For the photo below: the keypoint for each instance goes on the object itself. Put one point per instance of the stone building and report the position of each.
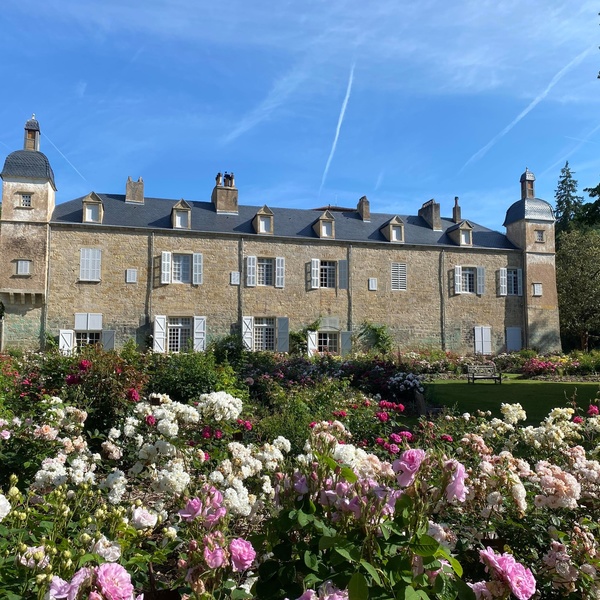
(171, 274)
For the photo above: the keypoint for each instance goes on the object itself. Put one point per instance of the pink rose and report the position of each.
(192, 509)
(242, 554)
(114, 581)
(456, 489)
(593, 410)
(214, 558)
(407, 465)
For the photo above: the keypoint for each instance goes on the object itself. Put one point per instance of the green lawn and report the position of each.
(538, 398)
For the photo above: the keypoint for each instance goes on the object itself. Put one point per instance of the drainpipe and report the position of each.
(44, 318)
(442, 270)
(349, 290)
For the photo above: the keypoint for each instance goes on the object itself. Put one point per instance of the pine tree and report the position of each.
(568, 203)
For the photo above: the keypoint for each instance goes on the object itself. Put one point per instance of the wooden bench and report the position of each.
(483, 372)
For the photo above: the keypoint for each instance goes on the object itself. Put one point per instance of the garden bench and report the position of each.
(483, 372)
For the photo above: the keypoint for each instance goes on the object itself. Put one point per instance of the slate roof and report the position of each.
(529, 208)
(290, 223)
(30, 164)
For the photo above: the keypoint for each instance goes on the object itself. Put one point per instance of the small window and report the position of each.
(537, 289)
(398, 276)
(179, 333)
(327, 274)
(182, 219)
(396, 233)
(23, 267)
(234, 278)
(265, 268)
(468, 280)
(326, 229)
(328, 341)
(264, 224)
(465, 237)
(264, 333)
(87, 338)
(26, 200)
(372, 284)
(92, 213)
(539, 235)
(131, 276)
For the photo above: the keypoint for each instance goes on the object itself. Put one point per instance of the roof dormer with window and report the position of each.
(263, 221)
(181, 215)
(393, 230)
(324, 226)
(93, 209)
(461, 233)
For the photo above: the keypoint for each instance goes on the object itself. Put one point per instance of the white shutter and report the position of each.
(480, 281)
(315, 270)
(251, 271)
(131, 276)
(108, 339)
(478, 340)
(280, 273)
(343, 274)
(160, 333)
(81, 321)
(311, 339)
(165, 268)
(458, 279)
(66, 338)
(89, 264)
(513, 339)
(248, 332)
(487, 340)
(520, 282)
(372, 284)
(199, 334)
(346, 339)
(197, 268)
(398, 276)
(283, 334)
(94, 321)
(502, 282)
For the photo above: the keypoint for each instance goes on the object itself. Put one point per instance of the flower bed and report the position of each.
(191, 498)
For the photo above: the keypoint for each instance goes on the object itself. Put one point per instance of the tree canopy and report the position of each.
(568, 203)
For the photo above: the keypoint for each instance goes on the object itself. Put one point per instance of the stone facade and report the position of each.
(168, 274)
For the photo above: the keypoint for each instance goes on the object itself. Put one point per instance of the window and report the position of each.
(398, 276)
(131, 276)
(465, 237)
(514, 282)
(265, 268)
(397, 233)
(264, 224)
(90, 264)
(182, 219)
(537, 289)
(539, 235)
(264, 333)
(26, 200)
(328, 341)
(92, 213)
(469, 280)
(327, 274)
(372, 284)
(179, 333)
(326, 229)
(88, 329)
(87, 338)
(23, 267)
(181, 268)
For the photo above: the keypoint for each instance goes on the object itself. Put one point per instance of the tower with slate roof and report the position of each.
(530, 226)
(28, 200)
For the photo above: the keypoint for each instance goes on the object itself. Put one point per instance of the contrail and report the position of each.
(72, 165)
(529, 108)
(339, 125)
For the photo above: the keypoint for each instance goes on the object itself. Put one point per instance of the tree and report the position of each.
(568, 203)
(578, 282)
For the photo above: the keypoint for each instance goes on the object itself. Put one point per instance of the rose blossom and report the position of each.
(192, 509)
(242, 554)
(143, 519)
(407, 466)
(114, 581)
(456, 488)
(214, 558)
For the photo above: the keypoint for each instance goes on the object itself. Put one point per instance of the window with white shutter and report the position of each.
(165, 268)
(399, 281)
(251, 271)
(280, 272)
(197, 268)
(89, 264)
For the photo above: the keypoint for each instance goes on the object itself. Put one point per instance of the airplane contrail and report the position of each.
(339, 126)
(72, 165)
(529, 108)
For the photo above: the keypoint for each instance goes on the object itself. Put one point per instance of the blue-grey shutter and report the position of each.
(315, 270)
(346, 342)
(502, 282)
(197, 268)
(248, 332)
(343, 274)
(480, 281)
(513, 339)
(165, 268)
(279, 272)
(199, 334)
(66, 341)
(458, 279)
(94, 321)
(251, 271)
(108, 339)
(160, 333)
(283, 334)
(81, 321)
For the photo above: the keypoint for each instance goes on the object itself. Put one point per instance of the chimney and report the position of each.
(364, 209)
(456, 211)
(430, 211)
(225, 194)
(527, 185)
(134, 191)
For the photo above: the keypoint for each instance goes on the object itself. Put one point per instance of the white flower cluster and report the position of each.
(364, 464)
(116, 484)
(219, 406)
(4, 507)
(513, 413)
(173, 479)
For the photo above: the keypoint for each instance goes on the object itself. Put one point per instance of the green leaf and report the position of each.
(358, 588)
(304, 519)
(239, 594)
(311, 580)
(425, 546)
(311, 561)
(329, 541)
(411, 594)
(371, 570)
(349, 475)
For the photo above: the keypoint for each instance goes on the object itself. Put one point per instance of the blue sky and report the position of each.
(310, 102)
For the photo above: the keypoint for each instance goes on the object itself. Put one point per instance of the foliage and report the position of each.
(376, 338)
(568, 203)
(299, 339)
(578, 282)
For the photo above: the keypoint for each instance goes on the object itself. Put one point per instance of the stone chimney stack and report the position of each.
(134, 191)
(456, 211)
(430, 211)
(364, 209)
(225, 194)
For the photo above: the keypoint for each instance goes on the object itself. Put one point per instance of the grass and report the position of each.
(537, 398)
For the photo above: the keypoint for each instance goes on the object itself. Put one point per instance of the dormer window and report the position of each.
(461, 233)
(92, 209)
(393, 230)
(181, 215)
(465, 237)
(324, 227)
(263, 221)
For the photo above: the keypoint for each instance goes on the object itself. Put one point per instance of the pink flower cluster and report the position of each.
(507, 571)
(109, 581)
(391, 406)
(247, 425)
(210, 509)
(559, 488)
(407, 466)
